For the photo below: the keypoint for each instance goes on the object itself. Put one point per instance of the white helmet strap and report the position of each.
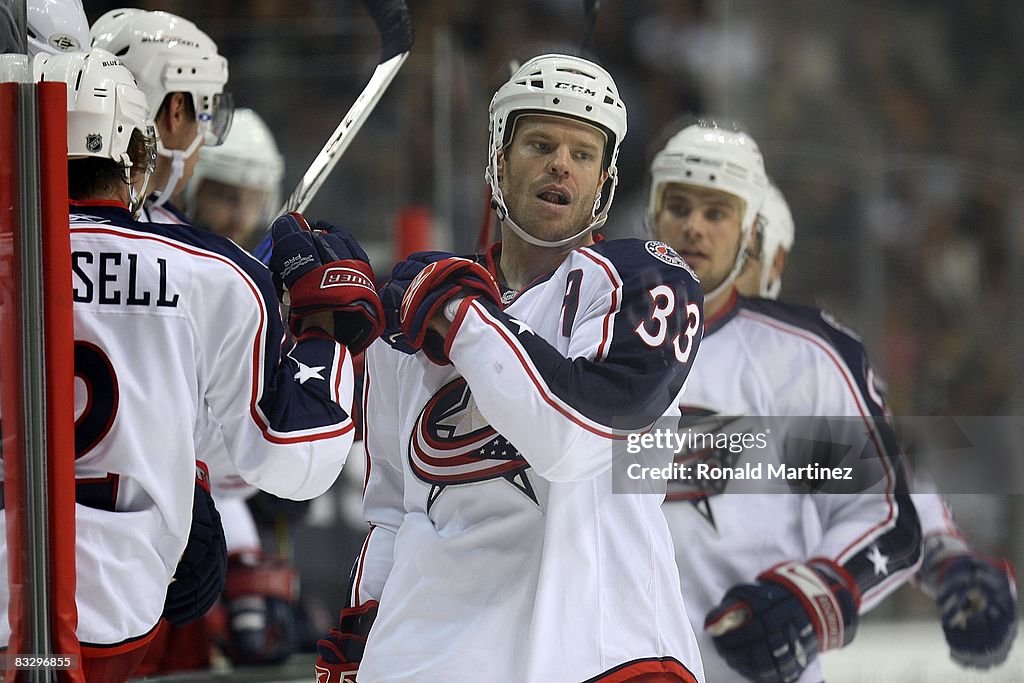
(737, 267)
(177, 157)
(498, 202)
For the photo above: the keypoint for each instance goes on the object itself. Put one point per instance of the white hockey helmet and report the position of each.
(105, 109)
(711, 157)
(249, 158)
(167, 54)
(558, 85)
(56, 26)
(777, 232)
(707, 156)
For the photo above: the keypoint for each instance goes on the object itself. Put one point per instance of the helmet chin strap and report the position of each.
(737, 267)
(498, 202)
(177, 157)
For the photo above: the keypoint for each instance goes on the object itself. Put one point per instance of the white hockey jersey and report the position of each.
(170, 323)
(498, 549)
(230, 490)
(768, 359)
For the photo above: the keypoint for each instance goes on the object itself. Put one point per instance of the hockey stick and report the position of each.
(395, 25)
(590, 8)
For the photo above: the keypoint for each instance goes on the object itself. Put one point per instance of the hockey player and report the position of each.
(234, 192)
(976, 596)
(765, 603)
(172, 325)
(236, 186)
(498, 550)
(178, 68)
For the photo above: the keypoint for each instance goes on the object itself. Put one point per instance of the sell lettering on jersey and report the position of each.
(116, 278)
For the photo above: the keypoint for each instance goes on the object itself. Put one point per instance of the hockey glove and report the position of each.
(341, 651)
(426, 282)
(260, 599)
(977, 601)
(772, 630)
(392, 292)
(325, 270)
(200, 575)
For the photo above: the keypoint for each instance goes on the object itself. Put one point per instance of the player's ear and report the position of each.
(178, 114)
(779, 263)
(501, 164)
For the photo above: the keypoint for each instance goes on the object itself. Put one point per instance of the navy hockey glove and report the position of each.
(426, 282)
(392, 292)
(200, 575)
(341, 651)
(770, 631)
(325, 270)
(977, 601)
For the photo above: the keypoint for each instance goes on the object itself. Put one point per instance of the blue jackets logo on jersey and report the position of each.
(452, 444)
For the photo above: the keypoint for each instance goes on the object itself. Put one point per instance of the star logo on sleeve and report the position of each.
(879, 561)
(523, 327)
(308, 372)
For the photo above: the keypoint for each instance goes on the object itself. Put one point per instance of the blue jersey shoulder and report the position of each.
(645, 263)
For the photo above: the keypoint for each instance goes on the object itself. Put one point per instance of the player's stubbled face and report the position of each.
(550, 175)
(704, 227)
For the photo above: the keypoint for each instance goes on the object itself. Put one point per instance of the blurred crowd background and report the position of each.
(895, 129)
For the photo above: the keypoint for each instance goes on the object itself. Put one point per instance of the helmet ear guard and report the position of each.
(568, 87)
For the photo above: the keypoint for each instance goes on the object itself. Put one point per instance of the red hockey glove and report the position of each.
(325, 270)
(341, 651)
(427, 281)
(261, 598)
(770, 631)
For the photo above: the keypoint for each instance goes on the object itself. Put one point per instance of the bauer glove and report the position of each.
(770, 631)
(325, 270)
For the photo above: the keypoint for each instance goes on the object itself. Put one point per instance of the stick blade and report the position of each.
(395, 25)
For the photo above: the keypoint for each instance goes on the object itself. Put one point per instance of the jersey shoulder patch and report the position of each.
(646, 261)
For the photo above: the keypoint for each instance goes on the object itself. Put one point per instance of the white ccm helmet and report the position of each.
(105, 108)
(558, 85)
(778, 231)
(56, 26)
(249, 158)
(707, 156)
